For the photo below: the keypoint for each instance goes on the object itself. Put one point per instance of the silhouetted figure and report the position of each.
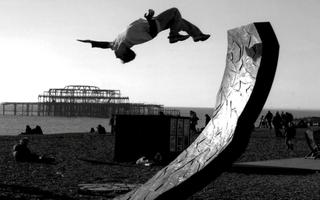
(193, 121)
(289, 117)
(112, 123)
(269, 117)
(101, 129)
(290, 133)
(28, 131)
(262, 122)
(22, 153)
(313, 145)
(37, 130)
(277, 124)
(284, 119)
(92, 130)
(207, 119)
(157, 159)
(144, 30)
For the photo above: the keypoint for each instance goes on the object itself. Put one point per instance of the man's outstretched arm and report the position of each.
(97, 44)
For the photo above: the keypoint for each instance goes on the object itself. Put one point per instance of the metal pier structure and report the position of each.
(81, 101)
(20, 108)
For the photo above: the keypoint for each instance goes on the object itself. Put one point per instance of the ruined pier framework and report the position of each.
(80, 101)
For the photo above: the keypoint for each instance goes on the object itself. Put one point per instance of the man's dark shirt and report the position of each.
(21, 152)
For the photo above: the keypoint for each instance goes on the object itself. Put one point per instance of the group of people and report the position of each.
(32, 131)
(278, 121)
(100, 130)
(194, 121)
(282, 124)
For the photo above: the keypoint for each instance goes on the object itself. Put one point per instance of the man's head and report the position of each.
(125, 54)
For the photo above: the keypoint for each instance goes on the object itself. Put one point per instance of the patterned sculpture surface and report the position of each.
(250, 68)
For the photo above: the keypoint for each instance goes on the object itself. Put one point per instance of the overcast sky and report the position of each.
(38, 49)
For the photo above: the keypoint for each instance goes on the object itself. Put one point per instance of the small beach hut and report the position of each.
(147, 135)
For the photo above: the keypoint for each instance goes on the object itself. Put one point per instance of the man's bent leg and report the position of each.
(193, 31)
(172, 19)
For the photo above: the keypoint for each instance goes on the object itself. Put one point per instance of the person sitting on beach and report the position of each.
(22, 153)
(27, 131)
(101, 129)
(144, 161)
(37, 130)
(144, 30)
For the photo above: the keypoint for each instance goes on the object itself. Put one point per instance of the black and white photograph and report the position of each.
(159, 100)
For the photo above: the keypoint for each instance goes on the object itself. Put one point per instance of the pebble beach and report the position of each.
(88, 158)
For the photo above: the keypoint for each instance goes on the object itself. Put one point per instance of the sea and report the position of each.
(14, 125)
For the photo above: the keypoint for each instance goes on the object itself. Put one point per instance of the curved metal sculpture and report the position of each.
(250, 68)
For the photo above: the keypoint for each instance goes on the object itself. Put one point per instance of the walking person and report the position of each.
(277, 124)
(262, 122)
(269, 117)
(290, 133)
(193, 122)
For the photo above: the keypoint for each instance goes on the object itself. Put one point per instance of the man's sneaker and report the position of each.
(176, 38)
(201, 37)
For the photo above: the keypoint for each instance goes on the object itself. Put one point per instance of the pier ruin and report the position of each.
(80, 101)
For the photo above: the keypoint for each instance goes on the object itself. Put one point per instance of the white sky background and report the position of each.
(38, 49)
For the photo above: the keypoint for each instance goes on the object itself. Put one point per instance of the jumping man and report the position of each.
(143, 30)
